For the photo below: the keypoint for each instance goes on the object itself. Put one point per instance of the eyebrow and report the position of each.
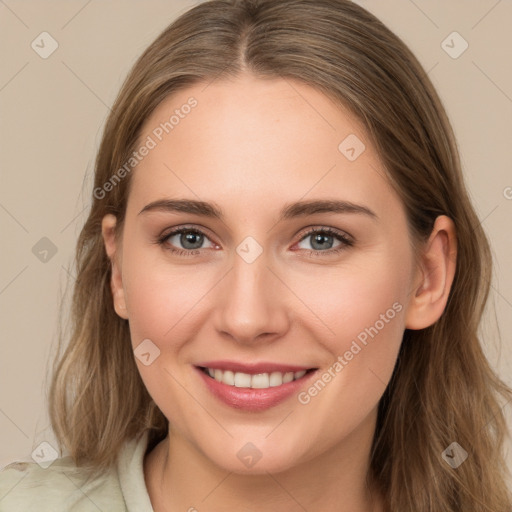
(289, 211)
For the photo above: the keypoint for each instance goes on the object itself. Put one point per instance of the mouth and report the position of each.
(253, 387)
(254, 381)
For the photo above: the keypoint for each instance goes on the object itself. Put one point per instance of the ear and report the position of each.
(108, 230)
(434, 276)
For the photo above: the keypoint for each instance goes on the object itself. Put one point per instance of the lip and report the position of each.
(254, 400)
(252, 368)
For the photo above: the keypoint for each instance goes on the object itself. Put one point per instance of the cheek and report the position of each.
(162, 302)
(161, 298)
(355, 302)
(361, 315)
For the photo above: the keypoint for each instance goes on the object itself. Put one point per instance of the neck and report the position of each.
(180, 477)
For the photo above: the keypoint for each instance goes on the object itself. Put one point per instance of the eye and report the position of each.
(184, 240)
(325, 240)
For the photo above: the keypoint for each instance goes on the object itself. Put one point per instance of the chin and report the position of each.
(256, 457)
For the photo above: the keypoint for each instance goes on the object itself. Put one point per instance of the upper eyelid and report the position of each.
(327, 229)
(179, 229)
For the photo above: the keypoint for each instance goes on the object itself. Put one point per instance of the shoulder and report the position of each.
(60, 487)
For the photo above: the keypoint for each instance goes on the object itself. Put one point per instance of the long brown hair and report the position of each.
(443, 388)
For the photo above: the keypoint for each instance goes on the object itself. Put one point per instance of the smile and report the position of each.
(255, 381)
(253, 388)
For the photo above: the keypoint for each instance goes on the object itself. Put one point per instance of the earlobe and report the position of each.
(108, 230)
(120, 303)
(428, 298)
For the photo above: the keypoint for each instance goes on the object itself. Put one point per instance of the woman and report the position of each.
(279, 284)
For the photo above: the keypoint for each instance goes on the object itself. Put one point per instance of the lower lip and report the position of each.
(249, 399)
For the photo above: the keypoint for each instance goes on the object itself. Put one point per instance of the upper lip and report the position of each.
(253, 368)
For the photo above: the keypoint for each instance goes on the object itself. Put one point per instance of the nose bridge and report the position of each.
(249, 301)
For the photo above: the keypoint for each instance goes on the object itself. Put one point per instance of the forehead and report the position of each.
(250, 140)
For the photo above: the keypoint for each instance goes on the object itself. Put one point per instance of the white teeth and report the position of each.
(288, 377)
(276, 379)
(260, 381)
(242, 380)
(228, 377)
(257, 381)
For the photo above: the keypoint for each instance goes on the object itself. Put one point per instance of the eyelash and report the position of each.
(346, 242)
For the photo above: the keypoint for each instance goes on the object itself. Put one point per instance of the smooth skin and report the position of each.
(252, 146)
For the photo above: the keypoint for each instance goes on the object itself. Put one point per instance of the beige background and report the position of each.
(52, 114)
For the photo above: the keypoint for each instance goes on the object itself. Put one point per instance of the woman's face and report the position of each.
(255, 290)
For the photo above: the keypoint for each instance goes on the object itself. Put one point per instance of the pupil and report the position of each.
(321, 240)
(191, 238)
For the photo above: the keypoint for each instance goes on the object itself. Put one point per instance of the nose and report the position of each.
(251, 302)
